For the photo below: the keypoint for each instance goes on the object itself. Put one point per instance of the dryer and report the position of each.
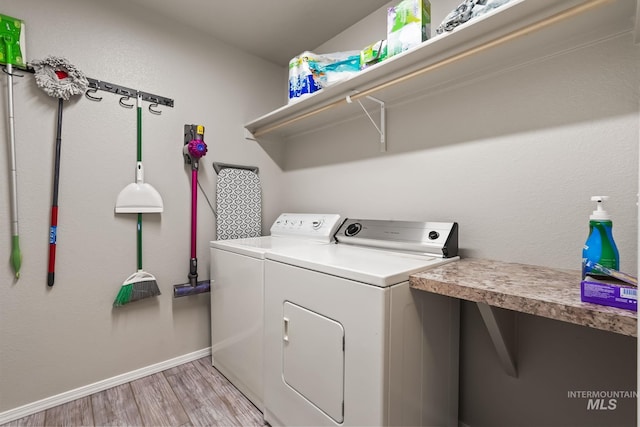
(348, 342)
(237, 291)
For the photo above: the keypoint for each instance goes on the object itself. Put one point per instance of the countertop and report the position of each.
(541, 291)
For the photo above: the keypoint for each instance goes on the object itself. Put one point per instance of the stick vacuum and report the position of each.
(194, 148)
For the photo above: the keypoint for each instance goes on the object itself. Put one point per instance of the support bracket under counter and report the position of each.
(502, 327)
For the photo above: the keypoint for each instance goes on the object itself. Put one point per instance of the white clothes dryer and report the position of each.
(237, 292)
(348, 342)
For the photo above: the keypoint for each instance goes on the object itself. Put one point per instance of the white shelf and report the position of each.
(518, 33)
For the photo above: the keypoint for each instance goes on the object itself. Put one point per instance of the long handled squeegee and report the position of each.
(12, 52)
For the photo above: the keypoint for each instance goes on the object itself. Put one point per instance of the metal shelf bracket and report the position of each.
(382, 129)
(501, 325)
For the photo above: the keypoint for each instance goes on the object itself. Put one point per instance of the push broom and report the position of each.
(194, 148)
(138, 197)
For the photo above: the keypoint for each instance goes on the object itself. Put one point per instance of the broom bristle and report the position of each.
(145, 289)
(124, 295)
(136, 291)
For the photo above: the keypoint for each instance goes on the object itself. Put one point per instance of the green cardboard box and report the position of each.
(408, 25)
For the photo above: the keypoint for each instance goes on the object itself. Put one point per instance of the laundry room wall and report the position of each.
(53, 340)
(514, 158)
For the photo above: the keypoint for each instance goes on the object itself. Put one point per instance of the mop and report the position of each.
(12, 52)
(59, 79)
(194, 148)
(139, 198)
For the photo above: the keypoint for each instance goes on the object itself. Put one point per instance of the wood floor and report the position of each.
(193, 394)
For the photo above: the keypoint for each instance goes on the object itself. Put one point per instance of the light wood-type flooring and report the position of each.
(192, 394)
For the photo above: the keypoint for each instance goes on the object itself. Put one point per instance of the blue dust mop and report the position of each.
(193, 150)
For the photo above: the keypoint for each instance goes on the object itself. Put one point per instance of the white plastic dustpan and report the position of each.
(139, 197)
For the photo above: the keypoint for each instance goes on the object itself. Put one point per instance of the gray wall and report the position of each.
(514, 158)
(55, 340)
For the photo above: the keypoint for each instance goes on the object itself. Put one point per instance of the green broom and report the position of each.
(140, 284)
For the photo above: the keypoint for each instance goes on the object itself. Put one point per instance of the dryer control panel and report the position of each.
(432, 238)
(308, 226)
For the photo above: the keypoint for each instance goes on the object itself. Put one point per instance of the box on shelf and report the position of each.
(408, 25)
(309, 72)
(301, 80)
(372, 54)
(610, 292)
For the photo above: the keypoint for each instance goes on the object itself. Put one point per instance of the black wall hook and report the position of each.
(123, 103)
(91, 97)
(155, 104)
(4, 70)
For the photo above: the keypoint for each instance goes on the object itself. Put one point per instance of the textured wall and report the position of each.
(514, 158)
(55, 340)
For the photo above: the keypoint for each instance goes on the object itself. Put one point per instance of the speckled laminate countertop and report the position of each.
(541, 291)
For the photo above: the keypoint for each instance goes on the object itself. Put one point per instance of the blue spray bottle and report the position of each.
(600, 247)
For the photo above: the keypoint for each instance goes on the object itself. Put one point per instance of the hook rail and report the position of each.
(125, 92)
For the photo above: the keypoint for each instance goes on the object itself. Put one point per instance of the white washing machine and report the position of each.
(348, 342)
(237, 291)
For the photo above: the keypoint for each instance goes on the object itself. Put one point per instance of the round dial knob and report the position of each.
(353, 229)
(433, 235)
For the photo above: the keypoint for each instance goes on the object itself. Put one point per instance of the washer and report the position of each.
(237, 290)
(348, 342)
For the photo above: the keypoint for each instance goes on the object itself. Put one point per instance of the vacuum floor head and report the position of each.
(187, 289)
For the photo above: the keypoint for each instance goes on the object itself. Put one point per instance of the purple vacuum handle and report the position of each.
(193, 262)
(194, 210)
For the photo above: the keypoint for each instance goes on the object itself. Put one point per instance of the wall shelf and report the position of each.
(501, 290)
(518, 33)
(532, 289)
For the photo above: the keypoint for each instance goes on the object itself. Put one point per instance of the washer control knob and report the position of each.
(353, 229)
(316, 224)
(433, 235)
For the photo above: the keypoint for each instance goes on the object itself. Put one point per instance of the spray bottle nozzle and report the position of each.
(599, 213)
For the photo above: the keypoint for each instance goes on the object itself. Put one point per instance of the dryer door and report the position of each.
(313, 358)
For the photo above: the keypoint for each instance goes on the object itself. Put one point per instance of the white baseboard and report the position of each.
(68, 396)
